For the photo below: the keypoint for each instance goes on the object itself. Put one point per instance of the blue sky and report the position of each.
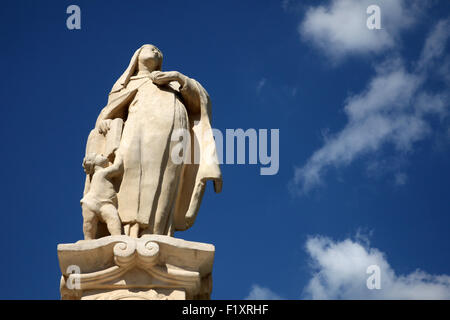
(364, 138)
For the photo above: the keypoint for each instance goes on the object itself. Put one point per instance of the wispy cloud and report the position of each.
(339, 29)
(400, 178)
(260, 85)
(285, 4)
(394, 108)
(260, 293)
(435, 45)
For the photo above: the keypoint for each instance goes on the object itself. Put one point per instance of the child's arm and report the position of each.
(116, 168)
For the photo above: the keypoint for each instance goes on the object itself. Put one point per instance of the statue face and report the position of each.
(151, 57)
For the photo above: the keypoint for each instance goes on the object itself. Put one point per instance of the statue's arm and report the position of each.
(188, 88)
(116, 168)
(190, 93)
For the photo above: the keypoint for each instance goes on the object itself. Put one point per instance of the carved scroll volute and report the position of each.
(124, 253)
(148, 252)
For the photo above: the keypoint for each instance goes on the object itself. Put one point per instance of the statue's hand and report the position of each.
(87, 166)
(162, 78)
(104, 126)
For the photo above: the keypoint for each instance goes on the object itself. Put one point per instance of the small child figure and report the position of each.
(100, 202)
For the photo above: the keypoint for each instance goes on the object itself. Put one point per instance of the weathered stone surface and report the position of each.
(158, 186)
(141, 187)
(121, 267)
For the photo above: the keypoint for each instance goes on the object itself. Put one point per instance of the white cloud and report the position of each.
(260, 293)
(339, 272)
(432, 104)
(435, 44)
(394, 108)
(340, 28)
(383, 113)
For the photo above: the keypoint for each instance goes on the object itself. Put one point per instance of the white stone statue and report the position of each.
(130, 164)
(100, 202)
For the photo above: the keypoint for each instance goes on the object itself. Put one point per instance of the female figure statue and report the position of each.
(158, 193)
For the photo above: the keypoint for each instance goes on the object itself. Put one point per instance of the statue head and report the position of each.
(93, 161)
(148, 56)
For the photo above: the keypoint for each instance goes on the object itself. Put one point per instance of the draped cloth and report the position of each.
(160, 195)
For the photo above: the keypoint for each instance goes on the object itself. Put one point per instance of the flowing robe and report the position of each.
(159, 194)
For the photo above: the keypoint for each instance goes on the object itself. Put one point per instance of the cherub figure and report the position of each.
(100, 202)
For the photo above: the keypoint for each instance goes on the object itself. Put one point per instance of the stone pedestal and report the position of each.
(152, 267)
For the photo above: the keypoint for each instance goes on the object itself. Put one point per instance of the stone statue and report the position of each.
(100, 202)
(147, 163)
(132, 156)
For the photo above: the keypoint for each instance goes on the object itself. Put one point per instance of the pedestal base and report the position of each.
(152, 267)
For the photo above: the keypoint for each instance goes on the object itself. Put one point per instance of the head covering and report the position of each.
(125, 77)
